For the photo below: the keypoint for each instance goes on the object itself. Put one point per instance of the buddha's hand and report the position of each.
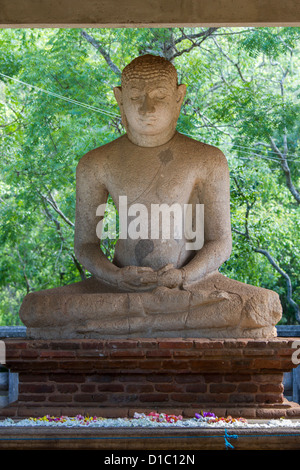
(136, 278)
(168, 276)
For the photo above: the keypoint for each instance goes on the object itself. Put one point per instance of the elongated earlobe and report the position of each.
(181, 90)
(118, 95)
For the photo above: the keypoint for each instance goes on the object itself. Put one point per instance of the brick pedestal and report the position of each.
(116, 378)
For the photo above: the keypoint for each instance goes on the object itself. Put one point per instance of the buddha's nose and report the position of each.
(147, 106)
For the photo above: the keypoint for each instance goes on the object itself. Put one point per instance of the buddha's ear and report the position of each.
(119, 98)
(118, 95)
(181, 91)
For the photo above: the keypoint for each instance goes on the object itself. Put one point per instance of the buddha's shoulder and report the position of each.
(201, 151)
(101, 154)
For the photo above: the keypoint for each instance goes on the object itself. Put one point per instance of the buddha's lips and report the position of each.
(149, 119)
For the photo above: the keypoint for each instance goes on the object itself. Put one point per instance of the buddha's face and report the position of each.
(150, 107)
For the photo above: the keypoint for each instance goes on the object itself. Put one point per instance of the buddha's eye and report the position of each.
(135, 98)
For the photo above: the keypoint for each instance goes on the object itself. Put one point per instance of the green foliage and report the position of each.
(242, 90)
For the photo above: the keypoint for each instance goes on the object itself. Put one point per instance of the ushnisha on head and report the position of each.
(150, 100)
(149, 67)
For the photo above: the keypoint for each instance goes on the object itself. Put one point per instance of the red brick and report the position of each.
(123, 399)
(268, 398)
(268, 378)
(184, 397)
(29, 354)
(190, 378)
(188, 353)
(173, 344)
(169, 388)
(88, 388)
(220, 353)
(159, 353)
(134, 378)
(100, 378)
(86, 397)
(215, 397)
(213, 378)
(32, 378)
(60, 398)
(125, 353)
(242, 398)
(139, 388)
(67, 378)
(148, 343)
(39, 344)
(153, 397)
(160, 378)
(92, 344)
(113, 388)
(91, 353)
(32, 398)
(237, 377)
(121, 344)
(175, 364)
(198, 388)
(222, 388)
(58, 353)
(151, 364)
(12, 354)
(283, 343)
(235, 343)
(65, 344)
(36, 388)
(208, 344)
(277, 388)
(263, 363)
(259, 353)
(11, 345)
(209, 365)
(257, 344)
(67, 388)
(247, 387)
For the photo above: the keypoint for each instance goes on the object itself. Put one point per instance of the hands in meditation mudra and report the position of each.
(155, 287)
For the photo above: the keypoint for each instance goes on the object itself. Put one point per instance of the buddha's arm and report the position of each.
(90, 193)
(217, 227)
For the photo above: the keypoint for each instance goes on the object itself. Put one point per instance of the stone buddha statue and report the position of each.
(157, 285)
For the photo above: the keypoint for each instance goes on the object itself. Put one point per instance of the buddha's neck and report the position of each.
(143, 140)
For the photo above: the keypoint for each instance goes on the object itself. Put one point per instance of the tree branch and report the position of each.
(190, 37)
(28, 286)
(58, 228)
(235, 64)
(102, 51)
(50, 200)
(284, 165)
(264, 252)
(286, 277)
(204, 35)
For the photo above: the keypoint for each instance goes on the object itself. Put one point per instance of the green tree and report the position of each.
(242, 96)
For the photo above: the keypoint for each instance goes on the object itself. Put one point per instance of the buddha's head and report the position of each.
(150, 100)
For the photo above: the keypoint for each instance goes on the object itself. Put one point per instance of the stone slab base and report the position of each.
(128, 440)
(238, 377)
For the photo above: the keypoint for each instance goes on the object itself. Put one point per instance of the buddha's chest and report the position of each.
(151, 177)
